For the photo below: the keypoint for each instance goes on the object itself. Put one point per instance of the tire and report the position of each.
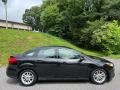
(99, 76)
(28, 77)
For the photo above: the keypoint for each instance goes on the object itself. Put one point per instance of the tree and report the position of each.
(32, 18)
(113, 13)
(49, 16)
(69, 19)
(5, 3)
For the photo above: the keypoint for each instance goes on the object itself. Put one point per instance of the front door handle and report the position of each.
(60, 63)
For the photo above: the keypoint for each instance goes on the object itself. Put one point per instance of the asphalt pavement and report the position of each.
(7, 83)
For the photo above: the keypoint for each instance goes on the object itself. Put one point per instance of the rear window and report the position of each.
(30, 53)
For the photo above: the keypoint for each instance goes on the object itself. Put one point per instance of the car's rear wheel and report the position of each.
(99, 76)
(28, 77)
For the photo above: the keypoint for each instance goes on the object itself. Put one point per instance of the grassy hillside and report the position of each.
(16, 41)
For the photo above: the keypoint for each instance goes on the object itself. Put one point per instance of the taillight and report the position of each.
(12, 60)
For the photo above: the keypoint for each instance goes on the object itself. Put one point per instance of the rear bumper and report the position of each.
(12, 72)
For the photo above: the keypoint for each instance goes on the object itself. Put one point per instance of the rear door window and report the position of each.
(47, 53)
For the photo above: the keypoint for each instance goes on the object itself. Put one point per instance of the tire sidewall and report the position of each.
(92, 79)
(35, 77)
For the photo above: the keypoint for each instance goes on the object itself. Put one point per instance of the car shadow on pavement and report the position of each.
(16, 82)
(12, 81)
(62, 81)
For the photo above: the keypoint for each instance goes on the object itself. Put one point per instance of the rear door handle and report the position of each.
(64, 62)
(39, 61)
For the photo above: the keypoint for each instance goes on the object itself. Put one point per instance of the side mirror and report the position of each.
(81, 59)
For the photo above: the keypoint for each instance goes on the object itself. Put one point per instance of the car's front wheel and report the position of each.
(28, 77)
(99, 76)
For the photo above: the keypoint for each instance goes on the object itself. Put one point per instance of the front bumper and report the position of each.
(111, 74)
(110, 71)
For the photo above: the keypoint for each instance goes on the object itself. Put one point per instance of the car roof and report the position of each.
(45, 47)
(53, 47)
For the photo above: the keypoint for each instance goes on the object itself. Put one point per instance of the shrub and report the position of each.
(107, 38)
(102, 36)
(86, 34)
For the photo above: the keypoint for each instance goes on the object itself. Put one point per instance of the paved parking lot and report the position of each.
(11, 84)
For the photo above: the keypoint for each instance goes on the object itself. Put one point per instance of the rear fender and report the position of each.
(26, 65)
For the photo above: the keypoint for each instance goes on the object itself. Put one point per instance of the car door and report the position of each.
(70, 65)
(47, 62)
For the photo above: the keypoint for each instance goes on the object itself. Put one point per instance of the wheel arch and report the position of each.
(108, 76)
(28, 68)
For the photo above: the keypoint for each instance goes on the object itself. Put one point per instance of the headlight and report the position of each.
(110, 64)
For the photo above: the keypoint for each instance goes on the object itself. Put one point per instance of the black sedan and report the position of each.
(58, 63)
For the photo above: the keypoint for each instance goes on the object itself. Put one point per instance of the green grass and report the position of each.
(115, 56)
(16, 42)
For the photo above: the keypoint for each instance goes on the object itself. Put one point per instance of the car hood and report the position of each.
(98, 59)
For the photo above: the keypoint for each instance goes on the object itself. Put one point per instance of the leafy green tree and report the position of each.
(79, 21)
(49, 16)
(32, 18)
(113, 13)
